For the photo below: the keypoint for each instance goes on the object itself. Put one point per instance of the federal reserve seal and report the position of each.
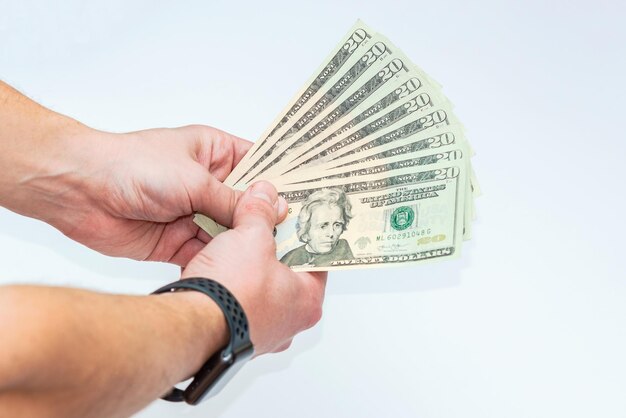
(402, 218)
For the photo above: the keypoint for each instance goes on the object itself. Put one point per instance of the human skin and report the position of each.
(130, 194)
(76, 353)
(326, 226)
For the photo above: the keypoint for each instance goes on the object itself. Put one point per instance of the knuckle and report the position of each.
(257, 206)
(234, 198)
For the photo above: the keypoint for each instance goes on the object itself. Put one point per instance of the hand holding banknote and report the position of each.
(133, 195)
(130, 195)
(279, 303)
(144, 187)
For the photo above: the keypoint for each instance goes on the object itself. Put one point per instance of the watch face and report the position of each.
(215, 374)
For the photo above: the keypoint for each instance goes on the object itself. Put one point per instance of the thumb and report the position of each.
(214, 199)
(258, 208)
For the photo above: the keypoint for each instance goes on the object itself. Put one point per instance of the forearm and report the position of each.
(41, 154)
(71, 353)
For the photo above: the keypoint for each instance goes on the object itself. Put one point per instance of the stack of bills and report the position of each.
(373, 163)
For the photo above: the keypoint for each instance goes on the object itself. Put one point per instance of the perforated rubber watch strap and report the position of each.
(238, 349)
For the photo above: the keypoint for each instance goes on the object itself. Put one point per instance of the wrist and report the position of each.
(45, 158)
(49, 169)
(199, 320)
(223, 364)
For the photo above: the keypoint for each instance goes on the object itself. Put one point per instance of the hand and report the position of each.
(278, 302)
(129, 195)
(139, 192)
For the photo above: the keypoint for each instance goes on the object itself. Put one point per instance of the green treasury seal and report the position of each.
(402, 218)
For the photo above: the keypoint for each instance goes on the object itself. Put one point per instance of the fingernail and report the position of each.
(262, 190)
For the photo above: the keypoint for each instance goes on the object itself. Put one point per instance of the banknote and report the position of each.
(389, 146)
(375, 221)
(352, 44)
(364, 133)
(416, 159)
(391, 165)
(374, 165)
(375, 58)
(382, 88)
(393, 73)
(437, 119)
(412, 89)
(208, 225)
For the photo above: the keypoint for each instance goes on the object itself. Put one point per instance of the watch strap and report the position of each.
(239, 347)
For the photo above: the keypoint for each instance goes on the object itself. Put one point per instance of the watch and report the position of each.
(222, 366)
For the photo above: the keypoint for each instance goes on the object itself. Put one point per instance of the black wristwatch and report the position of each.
(223, 365)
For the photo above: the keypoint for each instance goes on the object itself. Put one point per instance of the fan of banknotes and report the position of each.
(373, 164)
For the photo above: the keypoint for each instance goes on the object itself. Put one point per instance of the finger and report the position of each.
(228, 146)
(212, 198)
(177, 242)
(282, 209)
(240, 148)
(257, 208)
(203, 236)
(186, 252)
(219, 151)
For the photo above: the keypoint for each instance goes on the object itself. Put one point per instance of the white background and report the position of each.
(529, 322)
